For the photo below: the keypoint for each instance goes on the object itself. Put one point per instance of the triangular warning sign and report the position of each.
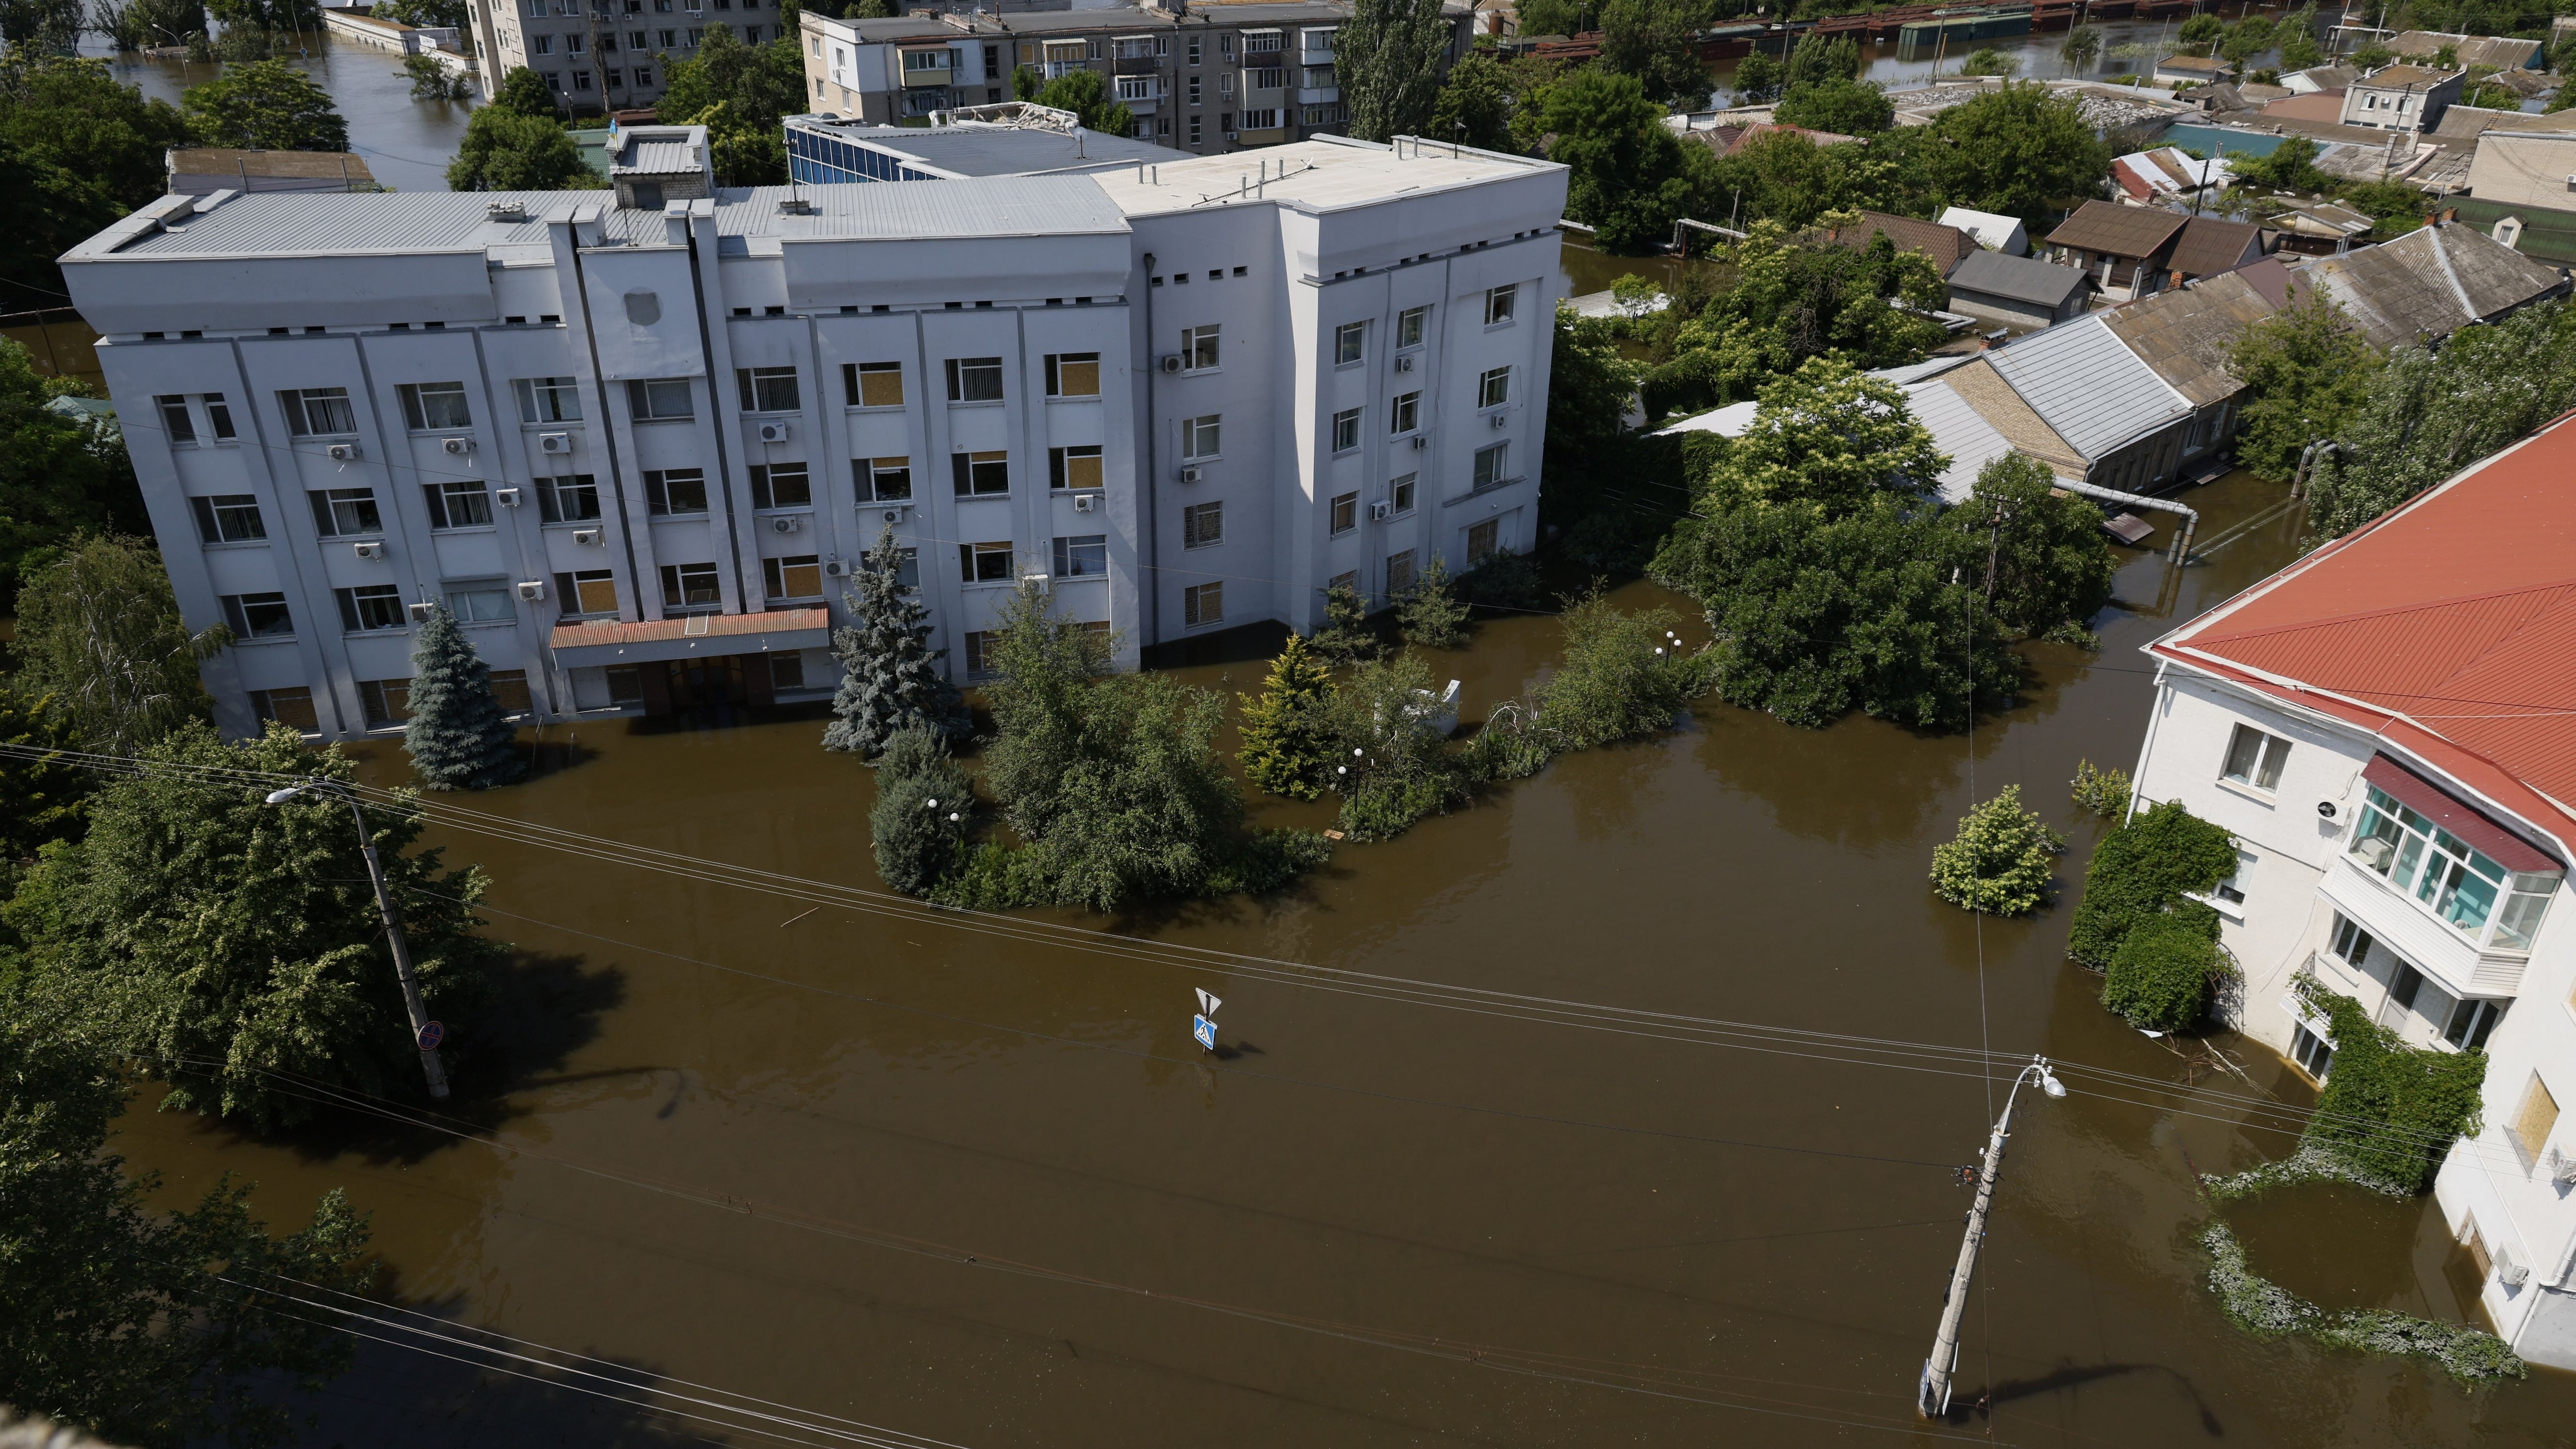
(1207, 1003)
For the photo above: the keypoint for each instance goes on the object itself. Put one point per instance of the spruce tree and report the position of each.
(1430, 613)
(889, 673)
(1346, 637)
(458, 737)
(925, 804)
(1286, 735)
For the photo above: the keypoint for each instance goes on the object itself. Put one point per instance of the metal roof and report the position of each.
(2432, 282)
(2017, 279)
(1958, 432)
(659, 151)
(2087, 385)
(1984, 389)
(975, 206)
(342, 223)
(1992, 231)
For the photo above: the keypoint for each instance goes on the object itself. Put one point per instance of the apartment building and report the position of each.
(2385, 727)
(634, 438)
(607, 55)
(1205, 76)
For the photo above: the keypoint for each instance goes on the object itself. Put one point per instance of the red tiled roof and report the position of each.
(2447, 627)
(694, 626)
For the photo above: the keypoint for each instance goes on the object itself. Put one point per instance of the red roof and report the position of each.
(2447, 627)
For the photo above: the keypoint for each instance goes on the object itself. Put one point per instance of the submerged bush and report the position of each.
(925, 806)
(2162, 976)
(2000, 861)
(1624, 675)
(2104, 792)
(2140, 870)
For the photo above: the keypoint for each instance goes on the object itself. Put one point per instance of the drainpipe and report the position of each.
(1150, 587)
(2190, 516)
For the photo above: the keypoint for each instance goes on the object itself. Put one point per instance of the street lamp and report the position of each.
(1933, 1392)
(425, 1033)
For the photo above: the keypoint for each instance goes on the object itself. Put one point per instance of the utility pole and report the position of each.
(424, 1032)
(1933, 1393)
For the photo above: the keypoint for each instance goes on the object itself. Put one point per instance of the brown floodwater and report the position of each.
(1030, 1102)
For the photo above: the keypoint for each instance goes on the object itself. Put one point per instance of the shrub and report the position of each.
(1624, 675)
(2104, 792)
(925, 807)
(2389, 1110)
(2000, 861)
(1390, 767)
(2161, 977)
(1513, 745)
(2267, 1310)
(1287, 741)
(1505, 580)
(2141, 869)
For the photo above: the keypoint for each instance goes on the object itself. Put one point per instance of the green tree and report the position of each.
(2371, 56)
(2166, 969)
(2103, 792)
(1653, 40)
(525, 92)
(146, 1327)
(1560, 17)
(2019, 150)
(1086, 94)
(1346, 637)
(59, 477)
(2146, 868)
(266, 105)
(235, 945)
(2306, 370)
(1475, 105)
(99, 629)
(1387, 59)
(2396, 206)
(2000, 861)
(1850, 108)
(431, 81)
(457, 736)
(2200, 30)
(133, 25)
(1390, 766)
(428, 13)
(41, 24)
(81, 151)
(1831, 436)
(1287, 740)
(1759, 77)
(890, 676)
(2052, 564)
(924, 806)
(2291, 166)
(2081, 48)
(740, 93)
(1821, 60)
(1792, 303)
(504, 150)
(1430, 614)
(2299, 50)
(1989, 61)
(1630, 175)
(1622, 676)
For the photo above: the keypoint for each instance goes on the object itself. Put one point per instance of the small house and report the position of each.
(2018, 291)
(2209, 245)
(2401, 98)
(2126, 249)
(2192, 70)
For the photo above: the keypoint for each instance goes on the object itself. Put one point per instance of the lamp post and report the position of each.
(422, 1033)
(1933, 1393)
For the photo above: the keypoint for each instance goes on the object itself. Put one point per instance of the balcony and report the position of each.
(1136, 65)
(1058, 69)
(2452, 960)
(1267, 80)
(1318, 95)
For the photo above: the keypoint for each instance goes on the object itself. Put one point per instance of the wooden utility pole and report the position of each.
(425, 1034)
(1933, 1393)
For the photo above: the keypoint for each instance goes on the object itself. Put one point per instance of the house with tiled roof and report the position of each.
(2126, 248)
(2388, 729)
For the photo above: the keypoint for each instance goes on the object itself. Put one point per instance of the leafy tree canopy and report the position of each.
(1630, 175)
(1084, 93)
(739, 92)
(1387, 60)
(2306, 369)
(2000, 861)
(2019, 150)
(1793, 301)
(1784, 177)
(1829, 436)
(1653, 41)
(81, 151)
(59, 477)
(1475, 105)
(525, 92)
(2052, 564)
(507, 150)
(1850, 108)
(265, 105)
(99, 629)
(1287, 741)
(2143, 870)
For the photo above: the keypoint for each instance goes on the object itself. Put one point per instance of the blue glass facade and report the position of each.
(812, 157)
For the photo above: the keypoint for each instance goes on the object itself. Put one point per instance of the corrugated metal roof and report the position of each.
(660, 158)
(917, 210)
(2432, 282)
(2089, 387)
(2018, 279)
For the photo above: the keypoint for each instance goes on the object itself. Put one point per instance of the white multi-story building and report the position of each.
(632, 438)
(2388, 728)
(607, 55)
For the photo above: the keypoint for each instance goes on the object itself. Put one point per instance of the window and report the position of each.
(1409, 326)
(980, 475)
(1346, 512)
(2254, 758)
(1350, 340)
(258, 616)
(1203, 604)
(2310, 1051)
(2472, 1021)
(1195, 138)
(480, 601)
(229, 518)
(766, 389)
(873, 384)
(882, 480)
(2458, 883)
(345, 512)
(979, 652)
(1318, 78)
(925, 60)
(318, 412)
(370, 608)
(1265, 119)
(781, 485)
(1198, 348)
(1500, 302)
(1494, 387)
(974, 379)
(176, 424)
(548, 400)
(1199, 436)
(1085, 556)
(1074, 467)
(292, 707)
(1073, 374)
(219, 413)
(2539, 1114)
(2232, 889)
(432, 406)
(984, 563)
(1484, 540)
(388, 701)
(643, 77)
(1400, 492)
(660, 400)
(2351, 944)
(464, 504)
(591, 592)
(1406, 415)
(1346, 429)
(691, 586)
(1399, 572)
(1195, 43)
(510, 691)
(1195, 92)
(1263, 78)
(1493, 465)
(793, 578)
(672, 491)
(572, 498)
(543, 45)
(1202, 524)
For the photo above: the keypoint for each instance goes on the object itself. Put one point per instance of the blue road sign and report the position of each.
(431, 1035)
(1204, 1030)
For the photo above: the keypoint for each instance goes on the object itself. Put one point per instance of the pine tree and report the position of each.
(1285, 733)
(1346, 637)
(889, 673)
(1430, 613)
(458, 737)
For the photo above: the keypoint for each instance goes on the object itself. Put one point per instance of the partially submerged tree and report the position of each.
(1430, 613)
(2306, 369)
(2000, 862)
(2146, 868)
(265, 105)
(1346, 637)
(1287, 741)
(890, 676)
(507, 150)
(925, 808)
(457, 736)
(99, 629)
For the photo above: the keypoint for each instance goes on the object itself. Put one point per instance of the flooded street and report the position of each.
(924, 1172)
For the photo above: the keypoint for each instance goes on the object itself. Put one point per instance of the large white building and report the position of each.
(634, 438)
(2388, 728)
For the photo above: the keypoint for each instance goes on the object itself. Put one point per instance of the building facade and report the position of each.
(633, 439)
(2384, 728)
(607, 55)
(2401, 98)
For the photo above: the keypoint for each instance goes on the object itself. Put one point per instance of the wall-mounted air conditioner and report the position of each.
(554, 442)
(792, 523)
(1171, 362)
(343, 452)
(585, 535)
(1381, 511)
(774, 432)
(458, 446)
(1190, 474)
(532, 590)
(507, 497)
(834, 568)
(1086, 502)
(420, 612)
(894, 512)
(1404, 362)
(369, 549)
(1501, 421)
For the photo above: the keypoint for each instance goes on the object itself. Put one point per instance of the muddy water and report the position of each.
(1045, 1105)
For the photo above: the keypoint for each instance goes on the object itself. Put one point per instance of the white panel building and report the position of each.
(633, 439)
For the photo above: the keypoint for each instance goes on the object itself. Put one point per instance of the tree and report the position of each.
(81, 150)
(1084, 93)
(890, 676)
(1653, 41)
(2299, 50)
(428, 13)
(1430, 614)
(148, 1328)
(1792, 303)
(2290, 166)
(525, 92)
(457, 736)
(2018, 150)
(99, 629)
(2162, 976)
(59, 477)
(41, 24)
(2081, 47)
(132, 25)
(234, 945)
(1287, 742)
(1346, 637)
(2201, 29)
(1622, 676)
(1387, 58)
(1783, 176)
(431, 81)
(739, 92)
(1989, 61)
(2390, 1111)
(2147, 867)
(1758, 78)
(505, 150)
(2052, 565)
(1390, 766)
(1851, 108)
(1474, 107)
(1631, 175)
(2000, 861)
(1829, 436)
(2396, 206)
(266, 105)
(2372, 56)
(924, 803)
(1560, 17)
(2306, 369)
(2103, 792)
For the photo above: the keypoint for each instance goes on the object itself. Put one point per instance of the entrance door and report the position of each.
(706, 682)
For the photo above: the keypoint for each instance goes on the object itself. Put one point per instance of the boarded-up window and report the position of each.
(388, 701)
(510, 687)
(873, 384)
(2539, 1114)
(287, 706)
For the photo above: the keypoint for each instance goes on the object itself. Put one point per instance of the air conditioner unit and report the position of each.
(774, 432)
(2375, 853)
(2510, 1269)
(554, 442)
(894, 512)
(458, 446)
(420, 612)
(1381, 511)
(1171, 362)
(2562, 1168)
(343, 452)
(1230, 137)
(1190, 474)
(1086, 502)
(532, 590)
(507, 497)
(1404, 363)
(793, 523)
(585, 535)
(834, 568)
(1038, 581)
(1501, 421)
(1421, 440)
(370, 549)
